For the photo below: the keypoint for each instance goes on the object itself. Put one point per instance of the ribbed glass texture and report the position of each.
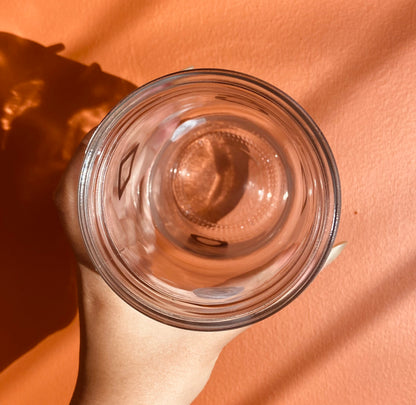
(208, 199)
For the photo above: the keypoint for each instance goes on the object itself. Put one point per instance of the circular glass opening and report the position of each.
(208, 199)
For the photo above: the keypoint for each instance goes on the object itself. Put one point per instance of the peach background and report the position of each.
(350, 338)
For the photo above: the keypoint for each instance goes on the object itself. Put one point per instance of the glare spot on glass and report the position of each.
(186, 127)
(249, 185)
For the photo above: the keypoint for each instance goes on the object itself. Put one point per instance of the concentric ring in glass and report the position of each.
(208, 199)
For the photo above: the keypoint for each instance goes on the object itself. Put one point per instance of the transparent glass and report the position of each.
(208, 199)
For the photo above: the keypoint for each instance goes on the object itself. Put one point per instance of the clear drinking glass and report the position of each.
(208, 199)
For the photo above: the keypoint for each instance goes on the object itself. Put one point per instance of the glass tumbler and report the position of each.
(208, 199)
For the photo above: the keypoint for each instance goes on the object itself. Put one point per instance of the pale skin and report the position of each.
(125, 357)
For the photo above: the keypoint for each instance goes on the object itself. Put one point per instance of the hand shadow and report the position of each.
(47, 104)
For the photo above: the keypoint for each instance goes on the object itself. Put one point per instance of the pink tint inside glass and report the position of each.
(208, 199)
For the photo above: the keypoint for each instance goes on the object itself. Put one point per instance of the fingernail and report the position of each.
(335, 252)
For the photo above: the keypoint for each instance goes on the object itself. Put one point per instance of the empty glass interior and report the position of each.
(208, 200)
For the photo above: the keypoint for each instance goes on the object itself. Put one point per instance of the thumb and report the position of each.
(66, 201)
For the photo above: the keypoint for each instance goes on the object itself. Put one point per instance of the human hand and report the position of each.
(126, 357)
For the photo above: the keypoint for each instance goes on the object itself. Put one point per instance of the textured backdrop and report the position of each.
(350, 338)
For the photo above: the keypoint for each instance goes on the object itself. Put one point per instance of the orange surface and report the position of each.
(350, 337)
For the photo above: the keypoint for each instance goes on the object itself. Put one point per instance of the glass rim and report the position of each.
(98, 137)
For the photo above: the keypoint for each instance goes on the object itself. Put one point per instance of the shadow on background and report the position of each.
(384, 43)
(47, 104)
(397, 286)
